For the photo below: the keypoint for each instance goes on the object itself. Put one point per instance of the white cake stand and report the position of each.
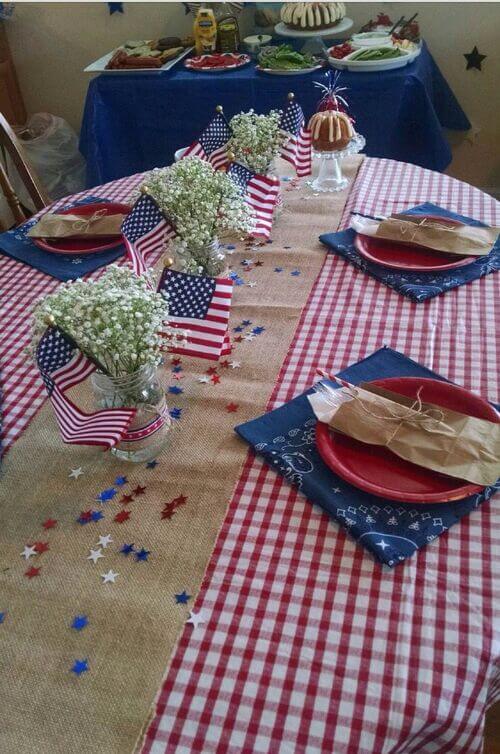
(330, 178)
(314, 39)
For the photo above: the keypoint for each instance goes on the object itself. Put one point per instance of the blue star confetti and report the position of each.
(127, 549)
(175, 413)
(80, 666)
(236, 278)
(287, 247)
(258, 330)
(79, 622)
(142, 554)
(2, 617)
(239, 328)
(121, 480)
(230, 246)
(295, 273)
(153, 464)
(182, 598)
(106, 495)
(246, 322)
(278, 269)
(97, 515)
(175, 389)
(177, 369)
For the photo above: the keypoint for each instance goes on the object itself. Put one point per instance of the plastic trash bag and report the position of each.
(51, 148)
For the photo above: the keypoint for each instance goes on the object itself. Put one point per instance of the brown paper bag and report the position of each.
(464, 240)
(430, 436)
(53, 225)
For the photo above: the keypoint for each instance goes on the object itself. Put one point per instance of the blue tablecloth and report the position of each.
(136, 122)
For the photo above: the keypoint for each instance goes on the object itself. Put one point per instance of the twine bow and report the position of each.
(82, 224)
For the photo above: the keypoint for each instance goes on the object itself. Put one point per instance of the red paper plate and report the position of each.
(375, 469)
(91, 245)
(405, 256)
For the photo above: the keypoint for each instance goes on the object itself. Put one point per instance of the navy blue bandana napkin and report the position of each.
(16, 244)
(418, 286)
(391, 531)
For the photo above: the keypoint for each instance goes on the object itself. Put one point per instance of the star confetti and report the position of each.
(258, 330)
(238, 339)
(235, 364)
(80, 666)
(85, 517)
(126, 499)
(28, 551)
(175, 389)
(238, 328)
(195, 619)
(258, 263)
(176, 361)
(41, 547)
(278, 269)
(2, 617)
(295, 273)
(175, 413)
(178, 376)
(215, 379)
(211, 370)
(121, 517)
(167, 513)
(252, 284)
(106, 495)
(127, 549)
(104, 541)
(32, 572)
(139, 490)
(152, 464)
(224, 364)
(204, 379)
(177, 369)
(109, 577)
(50, 523)
(95, 555)
(142, 554)
(169, 508)
(79, 622)
(75, 473)
(231, 408)
(181, 500)
(182, 598)
(246, 322)
(96, 515)
(249, 337)
(121, 480)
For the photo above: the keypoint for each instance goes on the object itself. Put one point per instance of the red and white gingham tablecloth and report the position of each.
(310, 646)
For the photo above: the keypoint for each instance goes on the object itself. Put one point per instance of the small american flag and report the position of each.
(200, 306)
(145, 230)
(261, 192)
(297, 149)
(62, 366)
(212, 144)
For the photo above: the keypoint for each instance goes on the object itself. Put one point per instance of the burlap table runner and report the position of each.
(134, 622)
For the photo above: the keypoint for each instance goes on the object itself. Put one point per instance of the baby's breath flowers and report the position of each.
(256, 139)
(118, 320)
(202, 204)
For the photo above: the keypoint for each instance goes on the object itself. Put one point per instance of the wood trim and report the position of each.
(11, 99)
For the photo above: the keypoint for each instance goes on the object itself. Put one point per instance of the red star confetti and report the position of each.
(41, 547)
(122, 516)
(139, 490)
(167, 513)
(176, 361)
(238, 339)
(86, 515)
(49, 523)
(212, 370)
(231, 408)
(215, 379)
(224, 364)
(126, 499)
(181, 500)
(32, 572)
(258, 263)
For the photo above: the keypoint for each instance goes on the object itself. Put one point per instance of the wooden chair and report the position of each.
(10, 144)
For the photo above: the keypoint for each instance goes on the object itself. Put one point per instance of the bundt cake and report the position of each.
(310, 16)
(330, 130)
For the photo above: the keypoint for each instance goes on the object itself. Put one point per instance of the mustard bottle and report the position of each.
(205, 31)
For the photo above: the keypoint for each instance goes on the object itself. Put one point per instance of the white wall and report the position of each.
(53, 42)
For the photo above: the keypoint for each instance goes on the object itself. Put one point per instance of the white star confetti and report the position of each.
(104, 541)
(195, 619)
(28, 551)
(75, 473)
(95, 555)
(249, 336)
(205, 379)
(252, 284)
(109, 577)
(235, 364)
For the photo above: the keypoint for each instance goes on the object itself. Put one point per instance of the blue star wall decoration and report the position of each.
(115, 8)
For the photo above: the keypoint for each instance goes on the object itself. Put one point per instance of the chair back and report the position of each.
(10, 143)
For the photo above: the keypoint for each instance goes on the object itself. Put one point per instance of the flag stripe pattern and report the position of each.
(261, 193)
(145, 230)
(297, 148)
(63, 366)
(199, 306)
(212, 144)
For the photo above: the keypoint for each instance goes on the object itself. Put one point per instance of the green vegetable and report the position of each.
(284, 58)
(377, 53)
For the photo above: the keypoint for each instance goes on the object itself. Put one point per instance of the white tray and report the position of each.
(296, 72)
(373, 66)
(99, 66)
(285, 31)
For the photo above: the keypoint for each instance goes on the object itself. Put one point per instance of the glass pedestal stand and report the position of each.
(330, 177)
